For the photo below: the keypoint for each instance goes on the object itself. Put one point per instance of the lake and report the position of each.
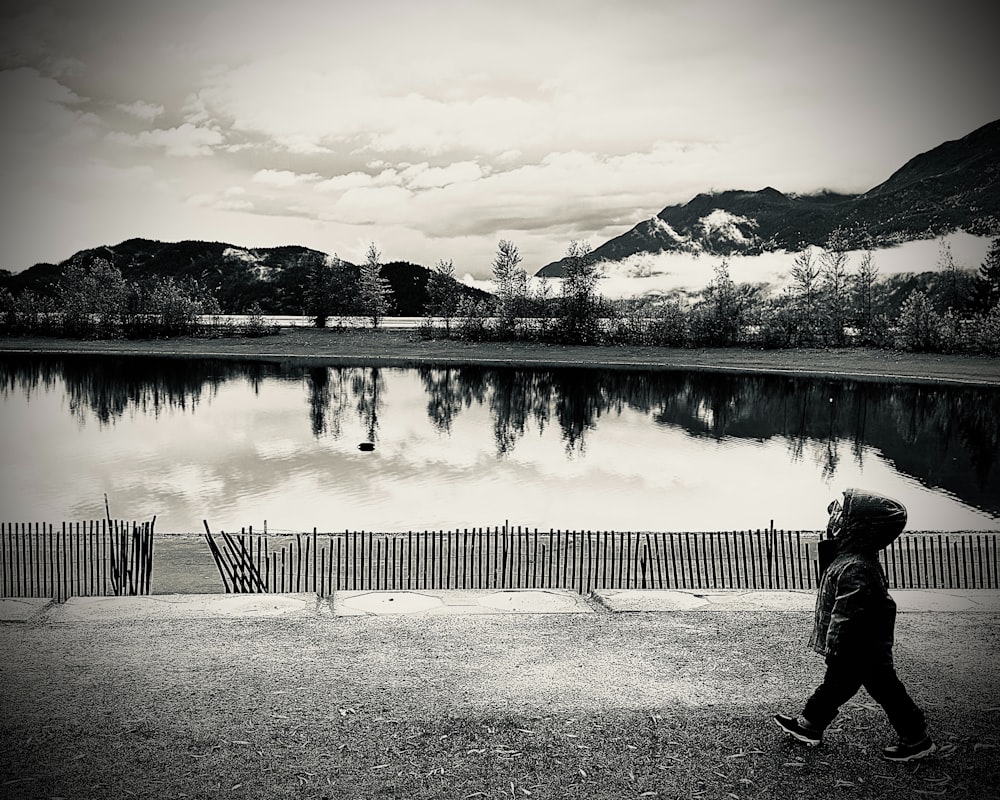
(276, 444)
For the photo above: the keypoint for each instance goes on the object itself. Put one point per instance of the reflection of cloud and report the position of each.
(663, 452)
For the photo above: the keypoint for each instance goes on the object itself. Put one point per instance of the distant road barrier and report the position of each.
(298, 321)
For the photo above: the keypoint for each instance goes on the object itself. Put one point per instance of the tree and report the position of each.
(866, 300)
(919, 325)
(319, 288)
(443, 292)
(834, 283)
(374, 291)
(987, 284)
(580, 319)
(511, 283)
(718, 318)
(805, 294)
(92, 299)
(953, 293)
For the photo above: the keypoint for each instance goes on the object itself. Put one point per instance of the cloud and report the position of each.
(368, 205)
(282, 178)
(39, 110)
(230, 201)
(142, 109)
(421, 176)
(185, 141)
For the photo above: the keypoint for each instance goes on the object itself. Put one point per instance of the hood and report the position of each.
(869, 522)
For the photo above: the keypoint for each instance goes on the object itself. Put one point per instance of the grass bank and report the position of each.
(401, 348)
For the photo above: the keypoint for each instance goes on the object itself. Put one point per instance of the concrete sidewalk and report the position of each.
(437, 603)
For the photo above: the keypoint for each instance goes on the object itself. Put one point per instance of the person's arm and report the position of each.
(850, 603)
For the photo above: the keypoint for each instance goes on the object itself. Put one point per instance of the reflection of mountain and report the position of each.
(944, 437)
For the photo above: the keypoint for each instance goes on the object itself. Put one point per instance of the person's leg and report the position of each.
(841, 682)
(888, 691)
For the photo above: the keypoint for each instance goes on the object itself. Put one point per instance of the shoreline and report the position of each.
(396, 348)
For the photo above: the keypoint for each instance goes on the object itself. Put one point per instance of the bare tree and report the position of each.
(443, 292)
(953, 295)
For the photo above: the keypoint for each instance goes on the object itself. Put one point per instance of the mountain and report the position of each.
(954, 186)
(273, 277)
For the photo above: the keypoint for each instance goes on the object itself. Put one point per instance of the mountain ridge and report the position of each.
(275, 279)
(954, 186)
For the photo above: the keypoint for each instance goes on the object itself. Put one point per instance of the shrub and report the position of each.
(919, 327)
(255, 325)
(988, 332)
(426, 329)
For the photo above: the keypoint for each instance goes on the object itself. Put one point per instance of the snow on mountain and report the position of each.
(725, 225)
(666, 229)
(254, 261)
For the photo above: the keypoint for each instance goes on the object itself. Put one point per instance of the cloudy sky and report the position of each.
(436, 128)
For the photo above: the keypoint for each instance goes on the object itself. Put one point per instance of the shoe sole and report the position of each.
(915, 757)
(799, 737)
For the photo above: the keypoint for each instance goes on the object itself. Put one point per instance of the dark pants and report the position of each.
(845, 675)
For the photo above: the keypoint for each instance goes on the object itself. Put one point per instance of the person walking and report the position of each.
(854, 626)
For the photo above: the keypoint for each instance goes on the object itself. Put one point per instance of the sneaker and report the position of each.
(798, 728)
(909, 752)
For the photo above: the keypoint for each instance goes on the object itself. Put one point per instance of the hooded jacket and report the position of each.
(854, 612)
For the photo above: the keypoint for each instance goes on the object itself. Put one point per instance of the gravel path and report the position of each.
(288, 707)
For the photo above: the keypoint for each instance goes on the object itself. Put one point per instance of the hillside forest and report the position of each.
(834, 298)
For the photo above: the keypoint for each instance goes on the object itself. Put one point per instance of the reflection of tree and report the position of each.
(579, 404)
(943, 436)
(328, 399)
(511, 405)
(331, 391)
(444, 395)
(108, 387)
(367, 387)
(318, 385)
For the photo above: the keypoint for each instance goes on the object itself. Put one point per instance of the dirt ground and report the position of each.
(578, 705)
(401, 348)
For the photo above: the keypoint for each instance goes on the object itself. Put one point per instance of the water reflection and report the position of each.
(333, 392)
(944, 438)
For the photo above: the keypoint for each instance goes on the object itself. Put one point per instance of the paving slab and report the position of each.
(446, 602)
(432, 602)
(907, 600)
(22, 609)
(93, 609)
(660, 600)
(955, 600)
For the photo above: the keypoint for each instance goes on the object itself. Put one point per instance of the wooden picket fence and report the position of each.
(96, 557)
(504, 557)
